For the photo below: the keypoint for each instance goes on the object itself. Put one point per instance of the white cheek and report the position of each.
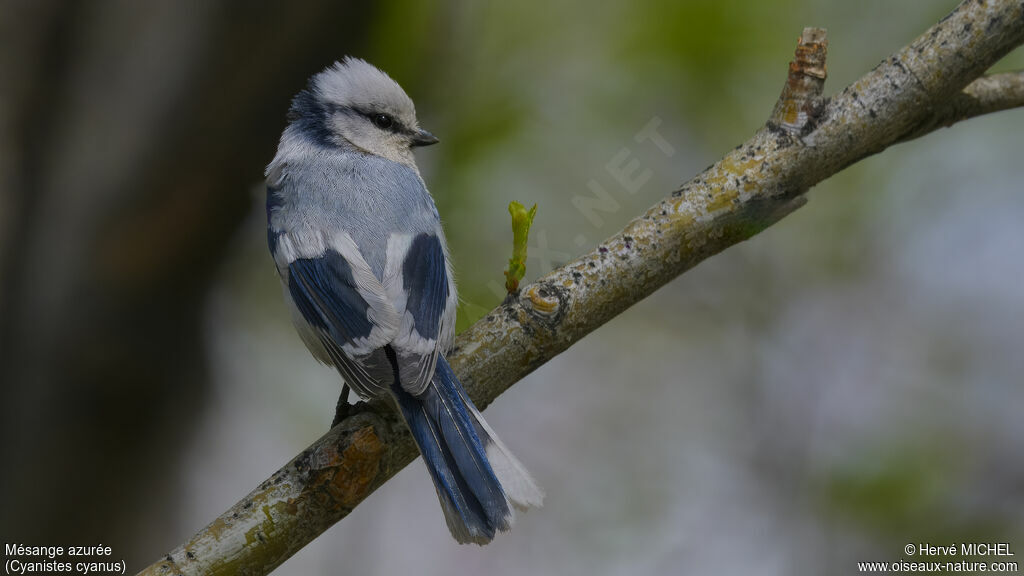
(372, 140)
(354, 131)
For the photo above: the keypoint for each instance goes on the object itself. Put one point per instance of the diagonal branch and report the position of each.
(985, 95)
(989, 94)
(933, 82)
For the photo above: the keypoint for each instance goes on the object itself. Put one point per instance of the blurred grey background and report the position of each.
(842, 384)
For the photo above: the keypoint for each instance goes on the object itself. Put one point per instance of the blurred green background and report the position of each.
(845, 383)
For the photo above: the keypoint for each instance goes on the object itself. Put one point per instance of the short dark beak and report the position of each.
(423, 138)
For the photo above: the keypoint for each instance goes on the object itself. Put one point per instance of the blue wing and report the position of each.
(340, 317)
(325, 292)
(425, 280)
(426, 323)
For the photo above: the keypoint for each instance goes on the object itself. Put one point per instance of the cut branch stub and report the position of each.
(800, 101)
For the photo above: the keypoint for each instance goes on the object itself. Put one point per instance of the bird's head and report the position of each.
(353, 102)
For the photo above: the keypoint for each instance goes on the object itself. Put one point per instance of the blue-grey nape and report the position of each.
(309, 114)
(426, 282)
(326, 295)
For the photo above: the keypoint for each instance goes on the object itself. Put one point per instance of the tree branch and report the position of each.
(990, 94)
(920, 88)
(985, 95)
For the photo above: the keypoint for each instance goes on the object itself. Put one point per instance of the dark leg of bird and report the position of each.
(341, 411)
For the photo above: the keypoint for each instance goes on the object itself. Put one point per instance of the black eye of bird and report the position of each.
(382, 121)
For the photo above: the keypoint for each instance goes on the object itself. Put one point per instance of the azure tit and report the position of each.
(360, 251)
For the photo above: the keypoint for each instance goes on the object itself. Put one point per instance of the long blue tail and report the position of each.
(478, 481)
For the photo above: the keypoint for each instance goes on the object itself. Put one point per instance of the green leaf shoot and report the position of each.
(521, 221)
